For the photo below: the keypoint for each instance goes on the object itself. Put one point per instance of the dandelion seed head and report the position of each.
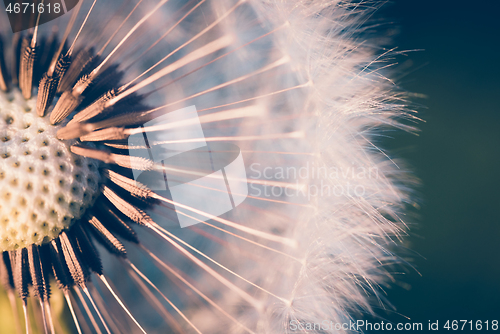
(45, 188)
(295, 86)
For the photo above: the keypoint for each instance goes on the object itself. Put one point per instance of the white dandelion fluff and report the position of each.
(296, 88)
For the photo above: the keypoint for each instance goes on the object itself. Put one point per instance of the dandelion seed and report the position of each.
(287, 82)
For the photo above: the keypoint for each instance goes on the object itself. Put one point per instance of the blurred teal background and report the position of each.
(456, 156)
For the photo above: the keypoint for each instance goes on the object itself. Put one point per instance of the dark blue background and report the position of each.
(456, 155)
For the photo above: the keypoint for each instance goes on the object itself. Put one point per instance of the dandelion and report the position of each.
(295, 87)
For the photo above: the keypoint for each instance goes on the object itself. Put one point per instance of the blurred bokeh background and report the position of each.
(456, 245)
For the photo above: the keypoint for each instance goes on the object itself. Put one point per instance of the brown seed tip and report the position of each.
(105, 134)
(72, 131)
(46, 93)
(65, 106)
